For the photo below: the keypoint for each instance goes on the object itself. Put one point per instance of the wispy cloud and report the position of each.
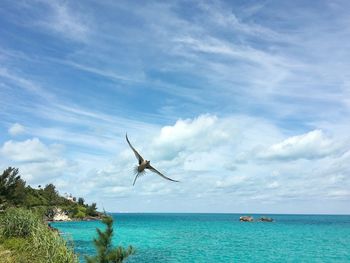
(24, 83)
(63, 19)
(104, 73)
(240, 101)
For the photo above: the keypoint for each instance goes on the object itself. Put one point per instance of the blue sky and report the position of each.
(245, 102)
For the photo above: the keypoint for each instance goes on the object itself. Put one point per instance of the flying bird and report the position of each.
(144, 164)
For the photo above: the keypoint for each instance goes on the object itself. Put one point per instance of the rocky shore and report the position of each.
(59, 215)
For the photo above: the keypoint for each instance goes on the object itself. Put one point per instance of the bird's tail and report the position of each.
(138, 174)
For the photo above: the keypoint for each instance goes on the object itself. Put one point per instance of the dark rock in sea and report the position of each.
(246, 219)
(265, 219)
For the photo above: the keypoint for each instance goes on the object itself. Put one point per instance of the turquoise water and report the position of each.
(221, 238)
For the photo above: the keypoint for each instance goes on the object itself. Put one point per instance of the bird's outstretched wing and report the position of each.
(138, 156)
(159, 173)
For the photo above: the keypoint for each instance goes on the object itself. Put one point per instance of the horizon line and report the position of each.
(233, 213)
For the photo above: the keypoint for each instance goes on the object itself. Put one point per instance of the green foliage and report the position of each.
(80, 215)
(15, 193)
(24, 238)
(10, 250)
(92, 210)
(18, 222)
(50, 247)
(11, 187)
(81, 201)
(105, 252)
(34, 198)
(50, 193)
(79, 212)
(32, 241)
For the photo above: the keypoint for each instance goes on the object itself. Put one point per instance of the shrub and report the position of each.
(49, 247)
(80, 215)
(18, 222)
(30, 239)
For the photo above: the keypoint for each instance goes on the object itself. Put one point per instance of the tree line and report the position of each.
(14, 192)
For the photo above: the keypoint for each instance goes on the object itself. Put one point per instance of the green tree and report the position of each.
(81, 201)
(12, 187)
(80, 215)
(92, 210)
(19, 192)
(14, 192)
(79, 212)
(105, 252)
(51, 194)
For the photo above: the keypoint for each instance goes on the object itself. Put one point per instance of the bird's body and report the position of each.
(144, 164)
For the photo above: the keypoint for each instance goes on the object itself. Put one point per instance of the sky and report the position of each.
(247, 103)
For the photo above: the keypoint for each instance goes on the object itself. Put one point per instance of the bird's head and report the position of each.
(148, 162)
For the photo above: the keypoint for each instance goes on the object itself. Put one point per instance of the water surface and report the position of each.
(221, 237)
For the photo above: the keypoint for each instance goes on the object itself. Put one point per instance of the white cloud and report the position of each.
(314, 144)
(200, 134)
(200, 152)
(49, 171)
(230, 181)
(38, 163)
(204, 154)
(16, 129)
(339, 194)
(274, 184)
(31, 150)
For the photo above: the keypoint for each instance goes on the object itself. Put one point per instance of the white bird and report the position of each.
(144, 164)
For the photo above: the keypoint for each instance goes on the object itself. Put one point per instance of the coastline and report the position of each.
(75, 219)
(59, 214)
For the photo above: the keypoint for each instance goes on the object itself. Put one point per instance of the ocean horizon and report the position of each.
(220, 237)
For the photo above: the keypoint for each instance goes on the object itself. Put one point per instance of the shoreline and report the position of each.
(89, 218)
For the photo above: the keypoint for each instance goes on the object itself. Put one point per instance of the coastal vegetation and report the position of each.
(26, 237)
(46, 201)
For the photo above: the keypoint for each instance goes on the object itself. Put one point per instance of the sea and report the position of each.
(160, 237)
